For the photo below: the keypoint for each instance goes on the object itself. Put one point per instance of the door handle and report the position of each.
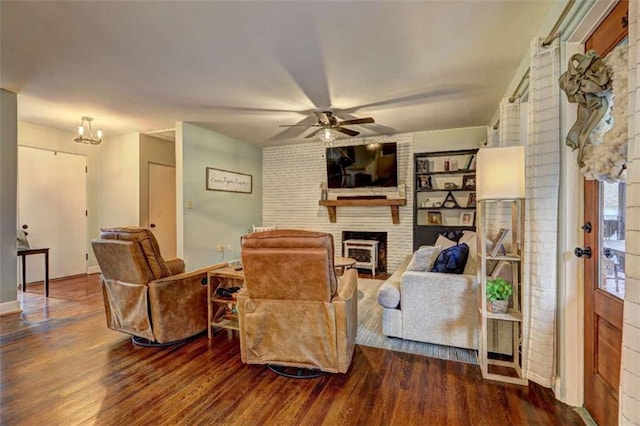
(607, 253)
(153, 225)
(587, 227)
(580, 252)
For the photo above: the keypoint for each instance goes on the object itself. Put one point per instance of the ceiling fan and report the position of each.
(329, 124)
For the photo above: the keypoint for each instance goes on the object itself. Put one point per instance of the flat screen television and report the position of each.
(361, 166)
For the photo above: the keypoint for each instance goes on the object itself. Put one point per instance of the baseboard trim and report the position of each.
(12, 307)
(93, 270)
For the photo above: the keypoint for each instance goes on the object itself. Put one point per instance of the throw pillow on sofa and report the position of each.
(444, 242)
(452, 260)
(424, 258)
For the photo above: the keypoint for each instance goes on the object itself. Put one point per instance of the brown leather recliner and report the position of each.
(293, 310)
(153, 300)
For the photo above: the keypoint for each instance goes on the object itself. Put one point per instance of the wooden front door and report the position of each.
(604, 210)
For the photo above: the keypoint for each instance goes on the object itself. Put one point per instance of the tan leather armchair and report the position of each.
(293, 311)
(153, 300)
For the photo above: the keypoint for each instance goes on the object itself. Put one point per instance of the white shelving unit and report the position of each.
(509, 371)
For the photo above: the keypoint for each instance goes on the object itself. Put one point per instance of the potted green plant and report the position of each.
(498, 292)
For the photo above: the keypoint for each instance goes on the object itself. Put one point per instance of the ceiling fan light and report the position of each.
(328, 135)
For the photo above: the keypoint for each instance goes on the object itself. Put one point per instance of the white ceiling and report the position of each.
(243, 68)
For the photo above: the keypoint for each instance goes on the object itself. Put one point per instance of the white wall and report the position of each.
(119, 176)
(8, 184)
(293, 173)
(152, 150)
(208, 218)
(36, 136)
(292, 177)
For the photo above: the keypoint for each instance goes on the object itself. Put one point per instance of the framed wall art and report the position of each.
(225, 180)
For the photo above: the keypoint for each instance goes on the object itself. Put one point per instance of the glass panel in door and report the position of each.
(612, 223)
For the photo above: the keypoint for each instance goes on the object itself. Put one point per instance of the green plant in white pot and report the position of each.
(498, 292)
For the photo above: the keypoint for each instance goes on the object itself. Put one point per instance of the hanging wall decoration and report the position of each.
(606, 158)
(599, 87)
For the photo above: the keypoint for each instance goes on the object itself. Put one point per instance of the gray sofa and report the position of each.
(430, 307)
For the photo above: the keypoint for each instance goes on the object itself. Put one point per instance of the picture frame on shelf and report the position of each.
(422, 165)
(467, 218)
(469, 182)
(424, 182)
(471, 201)
(434, 218)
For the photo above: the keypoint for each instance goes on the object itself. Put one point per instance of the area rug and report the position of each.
(370, 330)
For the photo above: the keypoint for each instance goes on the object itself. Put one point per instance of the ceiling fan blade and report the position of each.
(312, 134)
(298, 125)
(346, 131)
(323, 117)
(367, 120)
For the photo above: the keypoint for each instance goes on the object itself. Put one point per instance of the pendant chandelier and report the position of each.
(85, 133)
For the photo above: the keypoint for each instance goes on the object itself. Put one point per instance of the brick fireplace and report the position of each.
(363, 256)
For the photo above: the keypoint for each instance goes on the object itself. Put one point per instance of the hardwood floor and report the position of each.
(60, 365)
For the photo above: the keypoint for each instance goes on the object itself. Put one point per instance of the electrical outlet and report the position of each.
(220, 248)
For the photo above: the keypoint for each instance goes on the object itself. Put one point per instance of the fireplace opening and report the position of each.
(362, 251)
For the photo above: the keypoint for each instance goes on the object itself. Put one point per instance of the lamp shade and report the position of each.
(500, 173)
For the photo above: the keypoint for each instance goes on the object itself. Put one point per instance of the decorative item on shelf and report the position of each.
(437, 204)
(469, 182)
(87, 136)
(422, 165)
(434, 218)
(425, 182)
(426, 203)
(446, 165)
(471, 201)
(499, 291)
(402, 190)
(323, 191)
(467, 163)
(497, 247)
(450, 202)
(450, 185)
(466, 218)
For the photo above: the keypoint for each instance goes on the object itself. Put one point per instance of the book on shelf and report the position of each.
(497, 244)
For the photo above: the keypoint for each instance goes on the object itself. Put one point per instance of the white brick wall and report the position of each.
(291, 189)
(630, 369)
(541, 223)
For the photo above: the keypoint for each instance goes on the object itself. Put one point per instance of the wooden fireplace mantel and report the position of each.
(393, 203)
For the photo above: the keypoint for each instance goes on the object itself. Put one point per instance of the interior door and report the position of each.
(604, 211)
(162, 207)
(52, 203)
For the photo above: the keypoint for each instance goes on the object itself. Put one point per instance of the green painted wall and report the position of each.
(210, 218)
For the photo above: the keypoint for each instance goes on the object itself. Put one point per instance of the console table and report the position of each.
(26, 252)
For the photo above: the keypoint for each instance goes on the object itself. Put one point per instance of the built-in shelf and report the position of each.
(394, 203)
(450, 172)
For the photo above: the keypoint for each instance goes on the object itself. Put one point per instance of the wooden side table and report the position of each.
(26, 252)
(343, 263)
(222, 311)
